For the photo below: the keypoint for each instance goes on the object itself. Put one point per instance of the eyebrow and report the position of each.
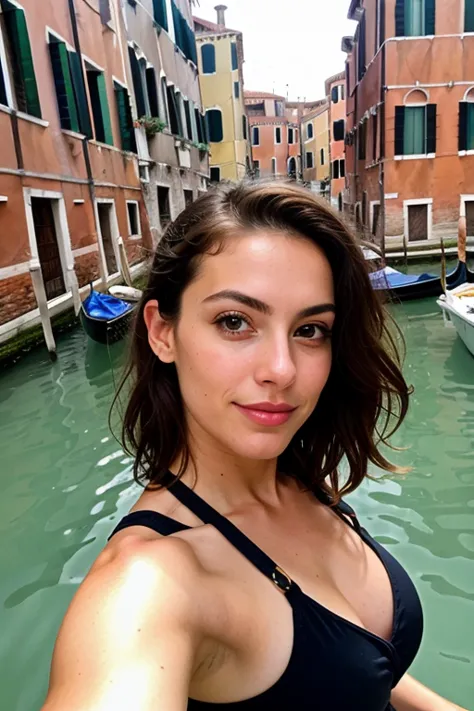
(264, 308)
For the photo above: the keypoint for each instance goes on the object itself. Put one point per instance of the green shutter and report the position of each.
(75, 67)
(20, 43)
(104, 107)
(3, 91)
(469, 16)
(159, 12)
(470, 127)
(415, 131)
(127, 133)
(178, 26)
(63, 84)
(234, 57)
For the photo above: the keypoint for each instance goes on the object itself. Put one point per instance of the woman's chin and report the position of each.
(261, 446)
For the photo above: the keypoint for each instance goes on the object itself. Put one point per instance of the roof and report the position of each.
(261, 95)
(268, 120)
(212, 26)
(317, 111)
(336, 77)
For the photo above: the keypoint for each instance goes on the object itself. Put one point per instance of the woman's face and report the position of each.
(252, 346)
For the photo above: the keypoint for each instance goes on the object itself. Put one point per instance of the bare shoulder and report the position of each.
(139, 612)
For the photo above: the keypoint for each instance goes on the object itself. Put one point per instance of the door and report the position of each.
(48, 249)
(417, 222)
(470, 217)
(105, 221)
(375, 220)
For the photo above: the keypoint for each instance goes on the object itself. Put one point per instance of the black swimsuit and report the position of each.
(335, 665)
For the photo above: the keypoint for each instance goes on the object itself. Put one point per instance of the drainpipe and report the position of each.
(382, 131)
(85, 148)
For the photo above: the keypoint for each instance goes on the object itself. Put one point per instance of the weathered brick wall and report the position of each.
(16, 297)
(87, 267)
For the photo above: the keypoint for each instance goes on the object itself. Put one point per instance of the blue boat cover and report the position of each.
(391, 278)
(104, 306)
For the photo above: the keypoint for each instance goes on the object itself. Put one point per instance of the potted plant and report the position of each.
(151, 124)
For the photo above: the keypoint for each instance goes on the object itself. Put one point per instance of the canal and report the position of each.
(65, 482)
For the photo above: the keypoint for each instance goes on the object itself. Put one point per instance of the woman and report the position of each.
(240, 580)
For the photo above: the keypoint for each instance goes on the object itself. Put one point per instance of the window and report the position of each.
(274, 166)
(18, 50)
(215, 174)
(469, 16)
(187, 114)
(338, 130)
(202, 137)
(100, 105)
(255, 136)
(214, 123)
(309, 159)
(415, 130)
(309, 130)
(139, 83)
(163, 102)
(343, 91)
(236, 89)
(361, 65)
(335, 170)
(188, 197)
(334, 95)
(415, 18)
(277, 134)
(160, 14)
(104, 9)
(152, 91)
(127, 132)
(348, 77)
(342, 168)
(134, 228)
(291, 135)
(374, 137)
(208, 57)
(164, 206)
(321, 156)
(256, 168)
(466, 125)
(234, 57)
(362, 140)
(244, 127)
(70, 91)
(175, 117)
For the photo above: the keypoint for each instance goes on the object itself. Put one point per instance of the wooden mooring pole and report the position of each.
(42, 301)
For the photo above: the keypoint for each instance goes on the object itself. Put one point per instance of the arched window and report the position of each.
(255, 136)
(415, 125)
(274, 166)
(292, 167)
(208, 56)
(214, 122)
(309, 130)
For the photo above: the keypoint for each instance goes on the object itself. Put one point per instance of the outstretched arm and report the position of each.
(411, 695)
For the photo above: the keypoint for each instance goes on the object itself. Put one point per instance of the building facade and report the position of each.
(410, 117)
(83, 85)
(166, 103)
(220, 58)
(336, 93)
(274, 135)
(315, 145)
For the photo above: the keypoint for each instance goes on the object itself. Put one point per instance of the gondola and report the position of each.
(105, 318)
(406, 287)
(458, 305)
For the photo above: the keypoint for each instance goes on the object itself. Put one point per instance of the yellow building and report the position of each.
(315, 144)
(220, 57)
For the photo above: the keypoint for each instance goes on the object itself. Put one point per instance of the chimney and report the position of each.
(220, 9)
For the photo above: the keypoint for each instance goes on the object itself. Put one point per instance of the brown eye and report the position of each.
(312, 332)
(233, 323)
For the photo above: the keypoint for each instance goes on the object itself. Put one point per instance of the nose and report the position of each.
(276, 364)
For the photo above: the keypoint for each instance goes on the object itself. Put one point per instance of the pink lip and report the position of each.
(266, 413)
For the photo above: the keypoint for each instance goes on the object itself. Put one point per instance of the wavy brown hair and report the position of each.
(366, 396)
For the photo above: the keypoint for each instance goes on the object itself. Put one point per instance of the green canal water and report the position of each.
(65, 482)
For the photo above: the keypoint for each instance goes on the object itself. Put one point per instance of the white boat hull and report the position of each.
(463, 321)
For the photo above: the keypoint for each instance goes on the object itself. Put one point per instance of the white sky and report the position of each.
(287, 42)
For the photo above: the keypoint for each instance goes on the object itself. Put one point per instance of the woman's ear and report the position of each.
(160, 333)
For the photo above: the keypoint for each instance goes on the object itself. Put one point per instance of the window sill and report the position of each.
(99, 144)
(421, 156)
(32, 119)
(466, 153)
(73, 134)
(134, 237)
